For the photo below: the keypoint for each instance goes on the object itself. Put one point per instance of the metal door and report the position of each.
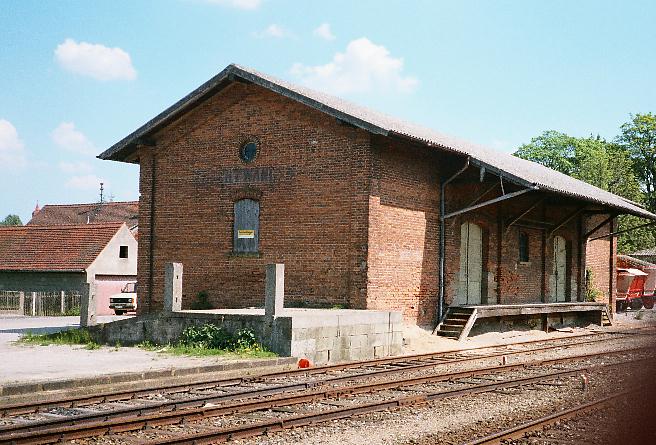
(560, 268)
(471, 264)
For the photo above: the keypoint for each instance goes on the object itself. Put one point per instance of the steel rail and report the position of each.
(44, 433)
(275, 425)
(533, 425)
(78, 401)
(200, 400)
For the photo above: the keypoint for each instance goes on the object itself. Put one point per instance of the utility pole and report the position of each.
(102, 198)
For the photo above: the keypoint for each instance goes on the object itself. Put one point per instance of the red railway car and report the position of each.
(636, 283)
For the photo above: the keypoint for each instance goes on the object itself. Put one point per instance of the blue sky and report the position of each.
(77, 76)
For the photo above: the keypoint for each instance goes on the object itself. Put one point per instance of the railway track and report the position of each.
(446, 357)
(361, 378)
(541, 423)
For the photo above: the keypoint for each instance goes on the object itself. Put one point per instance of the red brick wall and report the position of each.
(313, 212)
(509, 281)
(460, 194)
(354, 217)
(403, 228)
(598, 256)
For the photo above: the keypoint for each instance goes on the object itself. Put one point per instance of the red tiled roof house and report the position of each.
(63, 258)
(62, 214)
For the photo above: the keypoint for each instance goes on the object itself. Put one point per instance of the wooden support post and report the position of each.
(611, 269)
(581, 288)
(500, 232)
(543, 284)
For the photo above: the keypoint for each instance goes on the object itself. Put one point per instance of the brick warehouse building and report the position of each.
(249, 170)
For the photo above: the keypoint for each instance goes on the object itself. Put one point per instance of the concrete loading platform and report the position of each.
(321, 335)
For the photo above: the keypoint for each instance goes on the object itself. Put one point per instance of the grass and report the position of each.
(67, 337)
(198, 351)
(243, 345)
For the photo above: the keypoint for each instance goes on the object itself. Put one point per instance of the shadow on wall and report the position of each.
(405, 224)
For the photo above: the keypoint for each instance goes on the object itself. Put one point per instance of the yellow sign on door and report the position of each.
(246, 234)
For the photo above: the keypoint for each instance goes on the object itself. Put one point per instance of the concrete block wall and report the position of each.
(164, 328)
(346, 336)
(323, 336)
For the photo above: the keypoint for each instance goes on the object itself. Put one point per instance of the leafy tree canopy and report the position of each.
(638, 137)
(608, 165)
(11, 220)
(594, 160)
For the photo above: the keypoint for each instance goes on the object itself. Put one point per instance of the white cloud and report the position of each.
(273, 31)
(86, 182)
(239, 4)
(323, 31)
(364, 67)
(79, 167)
(12, 149)
(95, 60)
(69, 138)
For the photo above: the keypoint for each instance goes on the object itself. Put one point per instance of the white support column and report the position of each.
(274, 297)
(63, 305)
(173, 287)
(33, 304)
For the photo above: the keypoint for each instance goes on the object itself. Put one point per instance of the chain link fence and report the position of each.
(34, 304)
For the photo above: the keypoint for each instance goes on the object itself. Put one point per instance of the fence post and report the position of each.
(33, 304)
(21, 303)
(63, 308)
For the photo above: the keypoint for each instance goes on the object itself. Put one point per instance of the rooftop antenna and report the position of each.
(102, 198)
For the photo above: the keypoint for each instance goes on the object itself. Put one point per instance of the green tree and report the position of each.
(11, 220)
(551, 149)
(607, 165)
(594, 160)
(638, 137)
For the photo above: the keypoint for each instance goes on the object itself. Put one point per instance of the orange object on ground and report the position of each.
(304, 363)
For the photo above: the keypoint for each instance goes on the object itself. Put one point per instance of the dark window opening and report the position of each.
(248, 151)
(246, 234)
(123, 252)
(523, 248)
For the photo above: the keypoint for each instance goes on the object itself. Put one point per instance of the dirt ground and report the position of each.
(417, 340)
(30, 363)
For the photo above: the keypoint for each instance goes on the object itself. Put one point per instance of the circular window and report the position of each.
(248, 151)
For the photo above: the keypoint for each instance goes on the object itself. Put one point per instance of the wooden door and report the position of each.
(246, 235)
(560, 268)
(471, 264)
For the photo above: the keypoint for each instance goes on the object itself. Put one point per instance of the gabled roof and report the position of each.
(56, 215)
(519, 171)
(70, 248)
(646, 252)
(636, 262)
